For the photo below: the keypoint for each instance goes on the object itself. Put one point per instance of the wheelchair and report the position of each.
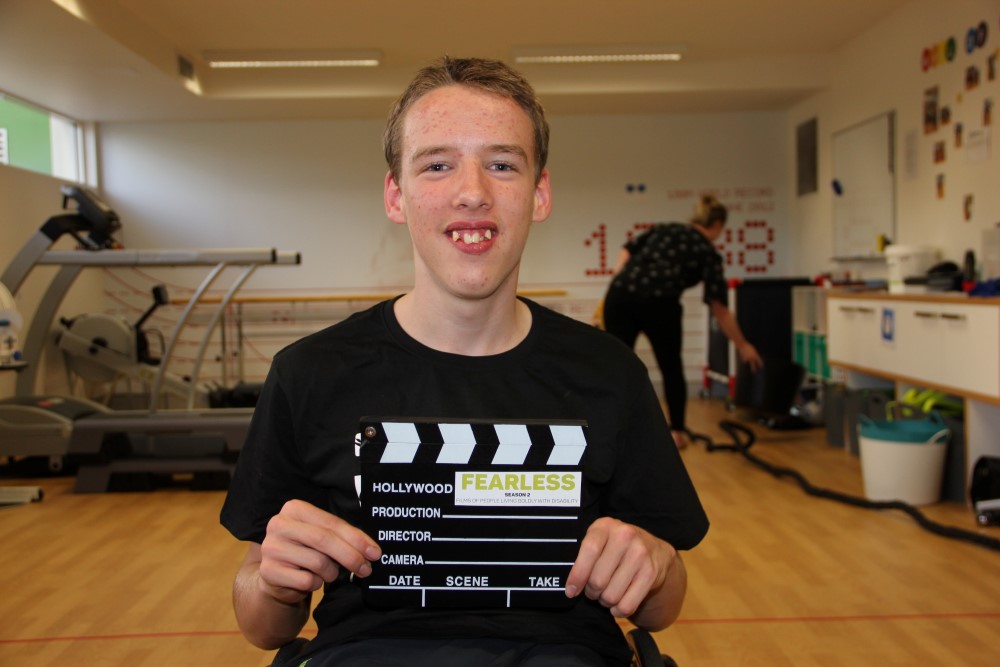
(645, 652)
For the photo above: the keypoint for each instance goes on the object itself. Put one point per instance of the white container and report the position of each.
(905, 261)
(907, 471)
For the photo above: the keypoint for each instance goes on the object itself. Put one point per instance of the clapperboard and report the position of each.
(471, 514)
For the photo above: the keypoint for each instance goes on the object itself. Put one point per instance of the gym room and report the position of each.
(188, 187)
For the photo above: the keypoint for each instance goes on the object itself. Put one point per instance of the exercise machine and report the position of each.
(101, 440)
(100, 348)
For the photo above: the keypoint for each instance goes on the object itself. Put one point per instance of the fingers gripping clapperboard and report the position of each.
(471, 514)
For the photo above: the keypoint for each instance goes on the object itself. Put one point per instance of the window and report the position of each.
(40, 140)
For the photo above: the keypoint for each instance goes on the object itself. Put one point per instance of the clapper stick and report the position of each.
(471, 514)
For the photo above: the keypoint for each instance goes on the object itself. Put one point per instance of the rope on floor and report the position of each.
(743, 439)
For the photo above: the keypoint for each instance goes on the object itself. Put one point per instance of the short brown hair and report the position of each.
(489, 75)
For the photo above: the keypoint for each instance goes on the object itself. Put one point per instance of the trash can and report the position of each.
(903, 459)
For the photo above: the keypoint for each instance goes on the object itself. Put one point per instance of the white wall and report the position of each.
(881, 71)
(316, 187)
(676, 158)
(309, 186)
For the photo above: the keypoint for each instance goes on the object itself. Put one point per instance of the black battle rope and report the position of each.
(743, 447)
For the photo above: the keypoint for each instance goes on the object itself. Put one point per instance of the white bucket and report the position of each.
(907, 471)
(905, 261)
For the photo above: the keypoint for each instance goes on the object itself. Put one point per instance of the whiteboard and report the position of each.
(864, 187)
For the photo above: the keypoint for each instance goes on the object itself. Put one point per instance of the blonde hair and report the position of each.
(709, 211)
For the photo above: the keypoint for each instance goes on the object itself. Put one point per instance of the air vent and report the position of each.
(185, 68)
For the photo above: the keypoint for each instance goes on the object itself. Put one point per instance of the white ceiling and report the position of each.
(120, 63)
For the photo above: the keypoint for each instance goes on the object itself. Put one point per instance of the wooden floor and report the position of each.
(783, 578)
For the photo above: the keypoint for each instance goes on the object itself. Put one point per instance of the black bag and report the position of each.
(985, 490)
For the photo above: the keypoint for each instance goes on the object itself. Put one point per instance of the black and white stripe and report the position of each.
(476, 443)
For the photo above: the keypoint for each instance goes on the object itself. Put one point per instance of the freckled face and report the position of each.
(467, 190)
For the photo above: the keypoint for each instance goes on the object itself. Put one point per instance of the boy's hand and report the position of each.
(619, 565)
(305, 547)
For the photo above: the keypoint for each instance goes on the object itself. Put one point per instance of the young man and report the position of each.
(466, 145)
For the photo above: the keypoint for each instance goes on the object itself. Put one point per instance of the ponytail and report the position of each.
(709, 211)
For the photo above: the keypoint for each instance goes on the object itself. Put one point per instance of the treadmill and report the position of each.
(105, 442)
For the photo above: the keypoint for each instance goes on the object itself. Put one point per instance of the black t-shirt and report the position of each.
(301, 444)
(669, 258)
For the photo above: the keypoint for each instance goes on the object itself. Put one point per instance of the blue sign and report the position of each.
(888, 325)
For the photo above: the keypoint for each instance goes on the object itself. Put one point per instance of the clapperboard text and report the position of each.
(471, 514)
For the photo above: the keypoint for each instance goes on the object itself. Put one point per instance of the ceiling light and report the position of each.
(605, 54)
(290, 59)
(602, 58)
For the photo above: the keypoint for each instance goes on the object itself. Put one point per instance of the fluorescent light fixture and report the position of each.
(290, 59)
(601, 58)
(602, 54)
(277, 64)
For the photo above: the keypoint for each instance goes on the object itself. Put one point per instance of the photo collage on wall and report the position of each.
(958, 109)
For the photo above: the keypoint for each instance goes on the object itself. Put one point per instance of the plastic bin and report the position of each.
(903, 459)
(918, 404)
(818, 364)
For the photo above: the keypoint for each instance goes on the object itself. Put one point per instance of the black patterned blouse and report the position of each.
(667, 259)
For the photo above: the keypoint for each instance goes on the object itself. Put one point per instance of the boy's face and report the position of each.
(467, 190)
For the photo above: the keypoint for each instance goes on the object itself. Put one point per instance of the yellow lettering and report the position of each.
(467, 480)
(496, 482)
(481, 481)
(512, 483)
(569, 482)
